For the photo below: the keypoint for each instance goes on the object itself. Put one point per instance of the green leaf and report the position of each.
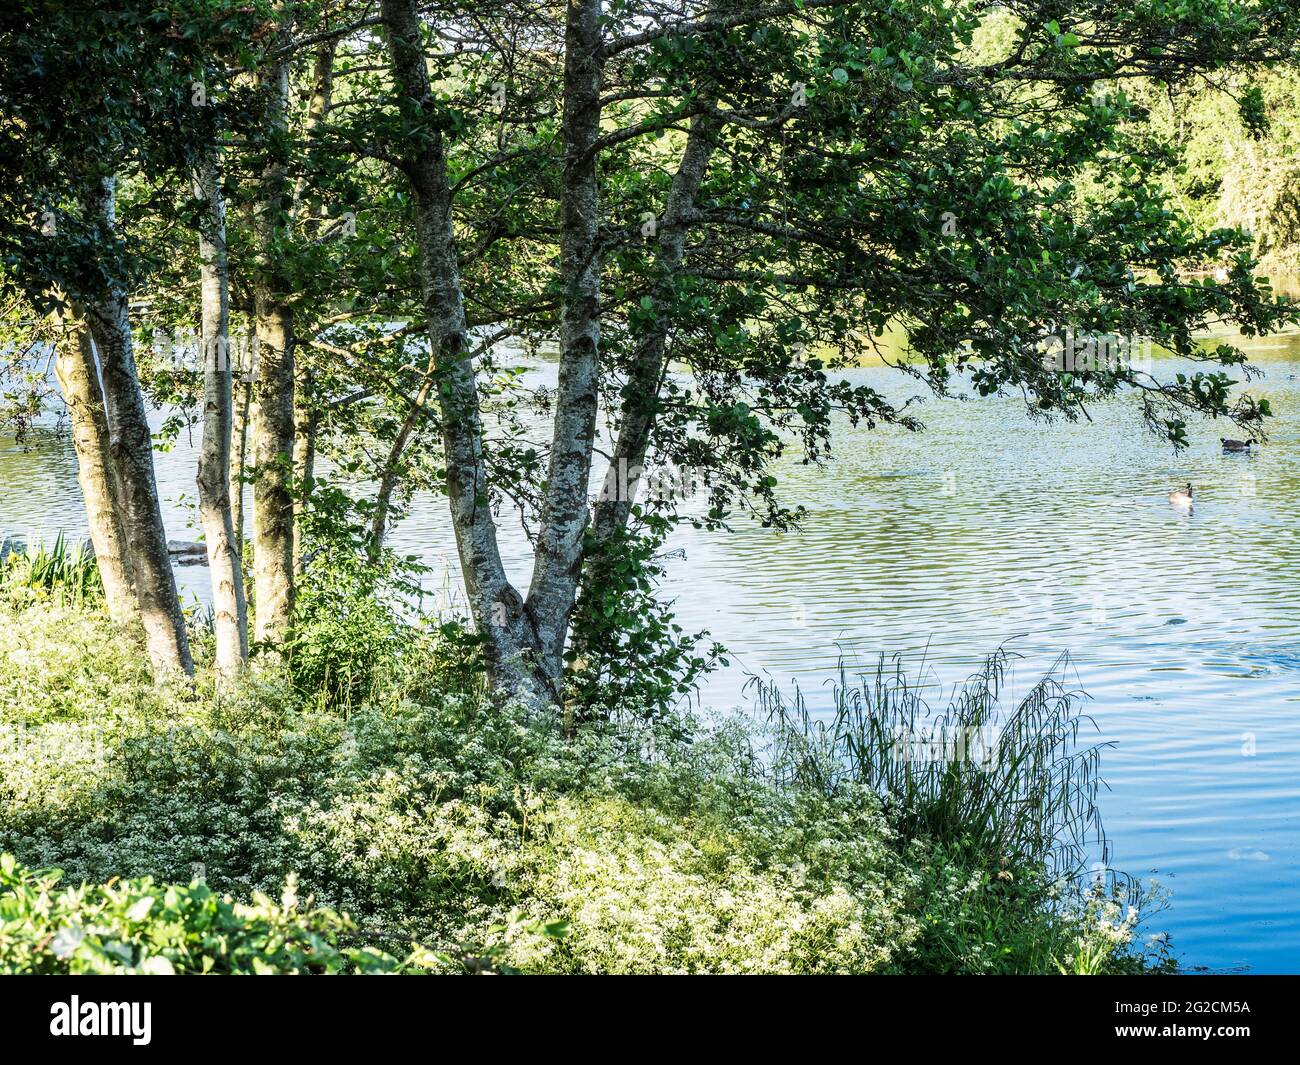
(141, 909)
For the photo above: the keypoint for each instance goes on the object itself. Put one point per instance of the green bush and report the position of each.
(137, 926)
(975, 920)
(340, 646)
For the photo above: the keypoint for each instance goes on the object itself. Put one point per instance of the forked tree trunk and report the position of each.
(498, 610)
(556, 569)
(79, 379)
(273, 387)
(229, 611)
(131, 446)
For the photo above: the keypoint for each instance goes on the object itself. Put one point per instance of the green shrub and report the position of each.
(339, 647)
(137, 926)
(975, 920)
(58, 662)
(354, 637)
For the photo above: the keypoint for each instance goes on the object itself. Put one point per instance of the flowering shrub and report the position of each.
(973, 919)
(649, 893)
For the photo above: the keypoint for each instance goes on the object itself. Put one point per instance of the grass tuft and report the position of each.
(1013, 782)
(63, 571)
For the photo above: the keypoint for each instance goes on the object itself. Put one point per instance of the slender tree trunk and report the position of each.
(498, 609)
(393, 465)
(243, 390)
(558, 559)
(304, 457)
(273, 387)
(272, 447)
(641, 393)
(322, 95)
(230, 614)
(132, 450)
(79, 379)
(306, 416)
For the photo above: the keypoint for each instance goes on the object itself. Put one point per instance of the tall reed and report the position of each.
(1011, 783)
(62, 570)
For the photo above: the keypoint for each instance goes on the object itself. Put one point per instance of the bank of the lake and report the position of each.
(988, 528)
(467, 835)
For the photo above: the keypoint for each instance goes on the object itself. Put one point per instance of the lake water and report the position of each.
(988, 528)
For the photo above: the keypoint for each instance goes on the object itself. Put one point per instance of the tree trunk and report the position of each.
(79, 379)
(393, 465)
(304, 457)
(230, 614)
(272, 447)
(498, 610)
(273, 387)
(558, 559)
(243, 389)
(322, 94)
(306, 416)
(132, 452)
(641, 393)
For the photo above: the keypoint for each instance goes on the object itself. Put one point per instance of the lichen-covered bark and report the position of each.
(272, 442)
(556, 567)
(497, 608)
(79, 380)
(272, 421)
(641, 393)
(305, 414)
(131, 448)
(230, 622)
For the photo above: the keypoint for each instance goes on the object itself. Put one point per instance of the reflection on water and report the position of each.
(1185, 629)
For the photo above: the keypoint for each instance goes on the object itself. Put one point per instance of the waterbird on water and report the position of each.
(1183, 498)
(1235, 445)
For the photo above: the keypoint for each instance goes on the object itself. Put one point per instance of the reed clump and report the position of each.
(63, 570)
(1017, 782)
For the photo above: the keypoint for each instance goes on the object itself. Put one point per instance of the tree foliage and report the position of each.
(697, 210)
